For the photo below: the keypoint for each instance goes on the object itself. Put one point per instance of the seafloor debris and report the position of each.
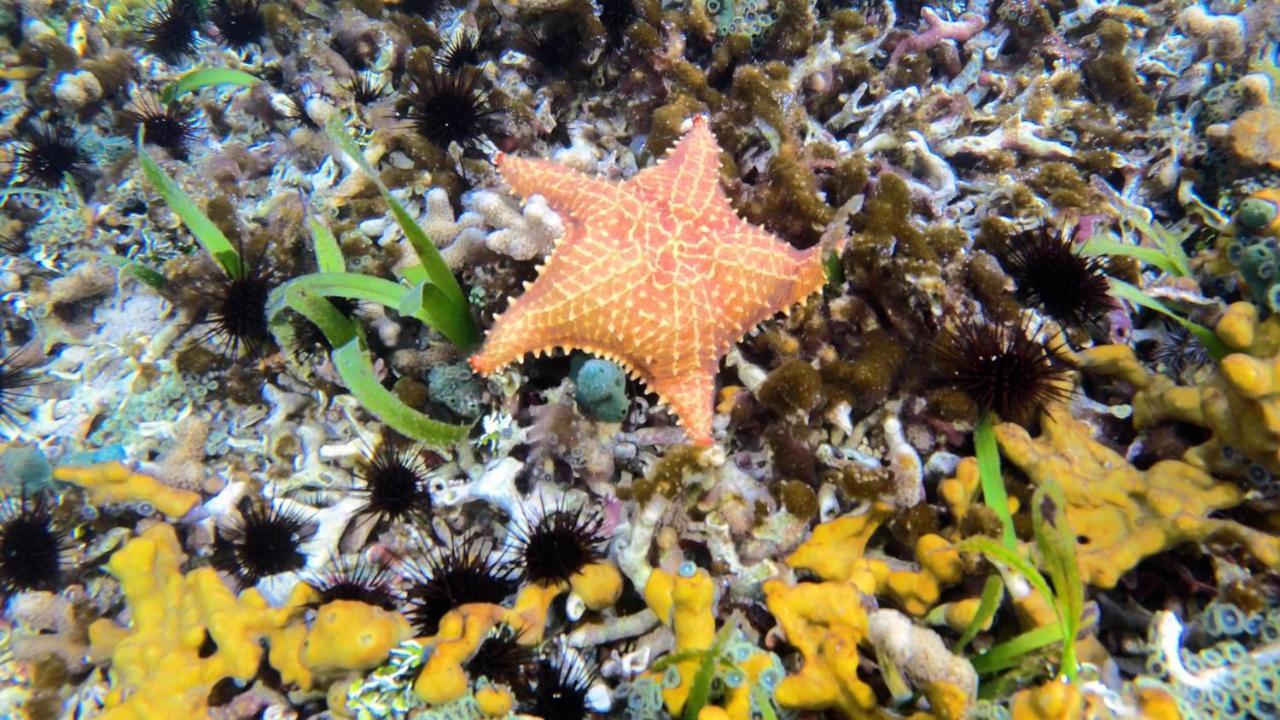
(996, 284)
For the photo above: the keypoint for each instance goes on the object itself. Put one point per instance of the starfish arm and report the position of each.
(690, 397)
(584, 197)
(688, 177)
(755, 270)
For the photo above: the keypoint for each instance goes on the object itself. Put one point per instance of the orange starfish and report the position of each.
(658, 274)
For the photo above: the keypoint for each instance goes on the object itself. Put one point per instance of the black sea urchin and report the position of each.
(264, 540)
(563, 686)
(452, 108)
(558, 46)
(236, 315)
(48, 153)
(1181, 353)
(616, 16)
(32, 549)
(171, 126)
(465, 571)
(361, 580)
(425, 9)
(366, 88)
(394, 484)
(240, 23)
(16, 377)
(1002, 368)
(1052, 274)
(173, 32)
(462, 49)
(559, 543)
(504, 660)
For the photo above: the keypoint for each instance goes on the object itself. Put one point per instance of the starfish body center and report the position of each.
(657, 273)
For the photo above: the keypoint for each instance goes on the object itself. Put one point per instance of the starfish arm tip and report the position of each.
(480, 365)
(699, 439)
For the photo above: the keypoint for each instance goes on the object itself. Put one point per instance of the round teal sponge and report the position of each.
(602, 389)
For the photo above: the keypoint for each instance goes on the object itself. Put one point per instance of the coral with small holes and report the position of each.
(1236, 676)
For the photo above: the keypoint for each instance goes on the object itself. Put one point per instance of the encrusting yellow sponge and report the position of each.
(835, 550)
(495, 702)
(1123, 514)
(443, 678)
(683, 601)
(350, 635)
(160, 664)
(156, 666)
(460, 633)
(112, 482)
(599, 585)
(1239, 402)
(835, 553)
(825, 622)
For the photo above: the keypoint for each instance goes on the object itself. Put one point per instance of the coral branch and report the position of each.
(938, 30)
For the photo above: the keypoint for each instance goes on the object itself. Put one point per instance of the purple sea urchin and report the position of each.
(467, 570)
(173, 32)
(557, 544)
(1001, 367)
(462, 49)
(1181, 353)
(264, 540)
(15, 377)
(557, 46)
(425, 9)
(1052, 274)
(616, 16)
(32, 549)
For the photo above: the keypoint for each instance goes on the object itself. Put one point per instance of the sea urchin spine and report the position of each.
(1002, 368)
(49, 153)
(395, 484)
(563, 687)
(173, 33)
(1052, 274)
(236, 317)
(265, 540)
(15, 378)
(171, 126)
(32, 549)
(359, 579)
(466, 570)
(555, 546)
(452, 108)
(240, 23)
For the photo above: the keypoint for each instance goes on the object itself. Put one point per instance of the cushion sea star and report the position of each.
(658, 274)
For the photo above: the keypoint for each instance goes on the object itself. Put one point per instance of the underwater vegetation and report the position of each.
(697, 359)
